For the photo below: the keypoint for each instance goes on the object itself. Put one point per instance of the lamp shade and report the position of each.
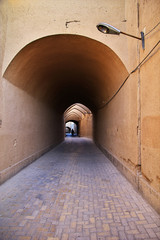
(108, 29)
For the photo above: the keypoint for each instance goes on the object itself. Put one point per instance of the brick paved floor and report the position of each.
(74, 192)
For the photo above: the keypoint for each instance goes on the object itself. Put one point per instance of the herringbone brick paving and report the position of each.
(74, 193)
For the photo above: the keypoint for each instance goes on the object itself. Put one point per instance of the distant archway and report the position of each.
(78, 121)
(72, 128)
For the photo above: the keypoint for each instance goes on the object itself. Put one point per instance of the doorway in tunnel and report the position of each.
(78, 121)
(71, 128)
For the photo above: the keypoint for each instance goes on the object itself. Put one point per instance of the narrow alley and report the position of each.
(74, 192)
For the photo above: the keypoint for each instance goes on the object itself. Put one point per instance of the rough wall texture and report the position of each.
(131, 121)
(116, 124)
(28, 130)
(3, 32)
(150, 101)
(115, 129)
(85, 126)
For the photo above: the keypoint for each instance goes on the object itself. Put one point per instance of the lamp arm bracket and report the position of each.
(131, 35)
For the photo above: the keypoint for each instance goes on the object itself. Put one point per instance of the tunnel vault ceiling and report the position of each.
(76, 112)
(64, 69)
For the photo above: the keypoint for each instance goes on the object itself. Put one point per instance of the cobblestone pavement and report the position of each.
(74, 192)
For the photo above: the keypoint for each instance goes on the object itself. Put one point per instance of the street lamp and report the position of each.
(108, 29)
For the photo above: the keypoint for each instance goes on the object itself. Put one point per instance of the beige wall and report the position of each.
(30, 20)
(116, 125)
(128, 128)
(3, 32)
(28, 130)
(150, 100)
(86, 126)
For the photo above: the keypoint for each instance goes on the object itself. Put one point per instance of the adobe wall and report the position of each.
(150, 104)
(116, 128)
(3, 32)
(131, 121)
(86, 126)
(26, 125)
(28, 130)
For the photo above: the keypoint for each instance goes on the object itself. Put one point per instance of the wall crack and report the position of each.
(68, 22)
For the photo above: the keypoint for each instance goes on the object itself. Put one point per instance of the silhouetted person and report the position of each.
(72, 132)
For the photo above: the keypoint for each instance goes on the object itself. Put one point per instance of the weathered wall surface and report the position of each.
(150, 102)
(116, 124)
(3, 32)
(86, 126)
(116, 128)
(131, 121)
(28, 130)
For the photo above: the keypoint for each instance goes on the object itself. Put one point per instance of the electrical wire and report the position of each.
(145, 57)
(152, 29)
(140, 64)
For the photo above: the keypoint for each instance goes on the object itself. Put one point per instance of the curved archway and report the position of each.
(43, 80)
(82, 117)
(70, 67)
(72, 128)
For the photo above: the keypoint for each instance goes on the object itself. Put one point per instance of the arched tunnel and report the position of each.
(62, 70)
(44, 79)
(47, 77)
(65, 69)
(79, 120)
(51, 75)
